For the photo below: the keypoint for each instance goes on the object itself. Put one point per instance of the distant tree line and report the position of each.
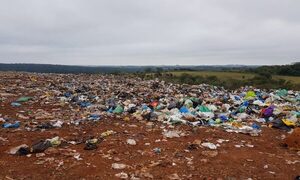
(285, 70)
(51, 68)
(65, 69)
(290, 70)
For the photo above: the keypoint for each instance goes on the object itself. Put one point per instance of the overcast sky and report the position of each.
(150, 32)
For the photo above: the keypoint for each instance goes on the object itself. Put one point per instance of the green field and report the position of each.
(233, 75)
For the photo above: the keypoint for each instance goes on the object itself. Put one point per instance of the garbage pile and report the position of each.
(90, 98)
(113, 126)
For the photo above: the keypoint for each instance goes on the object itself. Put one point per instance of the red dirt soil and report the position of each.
(268, 159)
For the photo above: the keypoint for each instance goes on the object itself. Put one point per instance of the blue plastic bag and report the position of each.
(15, 104)
(10, 125)
(184, 109)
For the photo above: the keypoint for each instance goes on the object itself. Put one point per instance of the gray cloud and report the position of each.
(97, 32)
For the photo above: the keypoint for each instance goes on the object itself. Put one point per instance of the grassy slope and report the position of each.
(233, 75)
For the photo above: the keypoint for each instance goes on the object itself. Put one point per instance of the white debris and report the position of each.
(16, 149)
(39, 155)
(131, 141)
(238, 146)
(171, 134)
(289, 162)
(222, 140)
(250, 145)
(209, 145)
(58, 124)
(122, 175)
(118, 166)
(77, 157)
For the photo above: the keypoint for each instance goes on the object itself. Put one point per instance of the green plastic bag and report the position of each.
(203, 109)
(196, 100)
(282, 92)
(24, 99)
(118, 110)
(250, 95)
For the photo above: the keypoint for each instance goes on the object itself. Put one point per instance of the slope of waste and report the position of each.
(63, 126)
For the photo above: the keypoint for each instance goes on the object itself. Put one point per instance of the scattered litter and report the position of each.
(107, 133)
(20, 150)
(131, 141)
(91, 144)
(118, 166)
(59, 113)
(171, 134)
(122, 175)
(11, 125)
(209, 145)
(157, 150)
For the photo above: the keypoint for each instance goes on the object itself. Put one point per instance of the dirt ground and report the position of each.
(267, 159)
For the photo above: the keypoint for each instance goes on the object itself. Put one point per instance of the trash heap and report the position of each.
(113, 126)
(76, 99)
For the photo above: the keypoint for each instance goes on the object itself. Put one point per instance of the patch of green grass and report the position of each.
(233, 75)
(293, 79)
